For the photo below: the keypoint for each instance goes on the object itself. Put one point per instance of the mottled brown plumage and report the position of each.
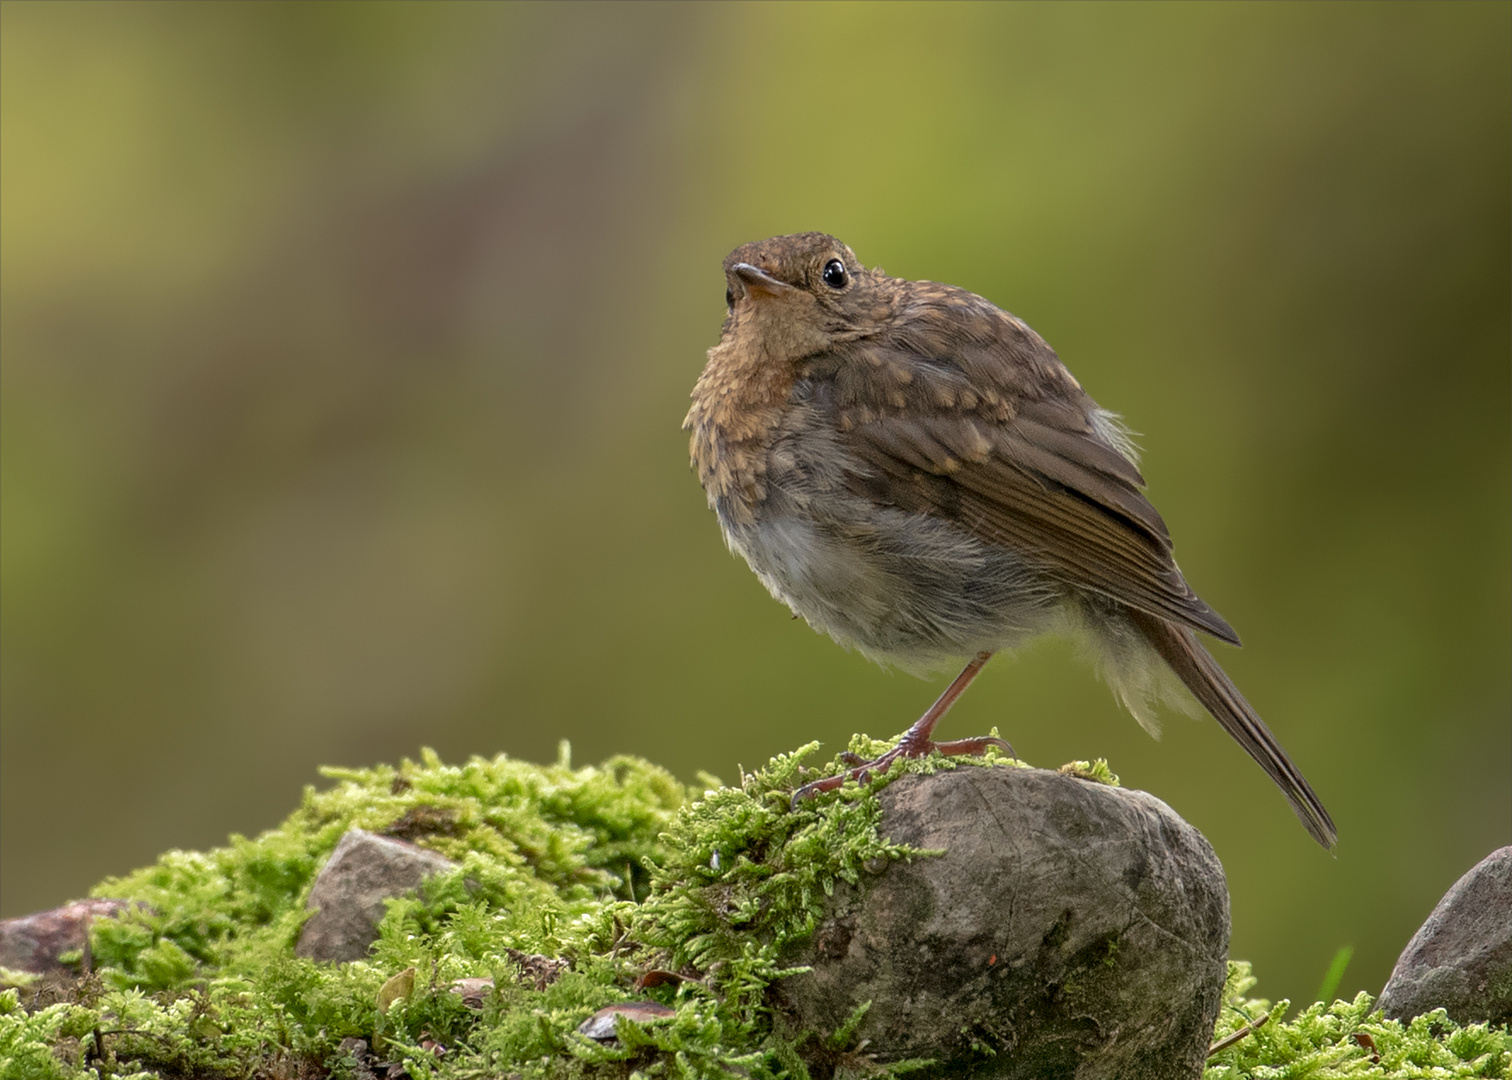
(915, 472)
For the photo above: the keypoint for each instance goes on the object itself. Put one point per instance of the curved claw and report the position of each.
(974, 746)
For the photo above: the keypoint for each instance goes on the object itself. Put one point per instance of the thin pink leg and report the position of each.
(924, 726)
(916, 741)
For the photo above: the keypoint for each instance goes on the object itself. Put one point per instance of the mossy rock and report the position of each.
(1067, 929)
(575, 889)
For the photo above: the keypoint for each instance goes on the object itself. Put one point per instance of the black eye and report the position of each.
(729, 300)
(834, 274)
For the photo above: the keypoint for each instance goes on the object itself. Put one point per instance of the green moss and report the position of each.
(1347, 1039)
(614, 871)
(548, 839)
(1096, 771)
(574, 887)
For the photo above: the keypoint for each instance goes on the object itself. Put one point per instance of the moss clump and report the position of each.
(534, 843)
(1096, 771)
(603, 878)
(1346, 1039)
(576, 889)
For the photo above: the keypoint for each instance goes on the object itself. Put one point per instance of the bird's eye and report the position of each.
(834, 274)
(729, 300)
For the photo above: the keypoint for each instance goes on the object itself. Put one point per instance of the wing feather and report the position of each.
(1025, 468)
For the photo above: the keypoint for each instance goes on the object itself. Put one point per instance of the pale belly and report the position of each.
(901, 588)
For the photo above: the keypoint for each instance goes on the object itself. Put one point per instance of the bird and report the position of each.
(914, 472)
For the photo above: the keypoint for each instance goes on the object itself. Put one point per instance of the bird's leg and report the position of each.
(916, 741)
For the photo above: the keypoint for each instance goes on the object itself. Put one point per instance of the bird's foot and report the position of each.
(861, 769)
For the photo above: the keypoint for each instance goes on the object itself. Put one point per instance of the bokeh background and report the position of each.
(345, 348)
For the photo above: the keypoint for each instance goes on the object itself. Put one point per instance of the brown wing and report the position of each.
(997, 437)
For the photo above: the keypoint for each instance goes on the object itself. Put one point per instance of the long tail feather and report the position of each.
(1195, 667)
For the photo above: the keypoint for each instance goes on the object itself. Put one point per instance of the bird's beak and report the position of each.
(756, 280)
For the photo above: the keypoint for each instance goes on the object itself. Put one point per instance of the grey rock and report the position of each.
(1460, 960)
(349, 893)
(1071, 930)
(37, 942)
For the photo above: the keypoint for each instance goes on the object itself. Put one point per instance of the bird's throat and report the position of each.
(737, 404)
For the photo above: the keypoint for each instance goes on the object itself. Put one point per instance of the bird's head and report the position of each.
(796, 295)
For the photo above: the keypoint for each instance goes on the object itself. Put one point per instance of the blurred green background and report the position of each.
(345, 348)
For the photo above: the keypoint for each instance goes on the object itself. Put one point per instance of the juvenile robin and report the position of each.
(914, 471)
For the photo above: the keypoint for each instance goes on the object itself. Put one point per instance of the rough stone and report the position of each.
(37, 942)
(349, 893)
(1460, 960)
(1071, 930)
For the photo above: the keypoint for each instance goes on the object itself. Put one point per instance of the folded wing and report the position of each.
(1032, 468)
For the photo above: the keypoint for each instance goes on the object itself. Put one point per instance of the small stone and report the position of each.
(1460, 960)
(359, 1057)
(540, 971)
(473, 992)
(427, 1043)
(349, 893)
(1070, 929)
(36, 942)
(600, 1026)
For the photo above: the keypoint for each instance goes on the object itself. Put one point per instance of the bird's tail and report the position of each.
(1195, 667)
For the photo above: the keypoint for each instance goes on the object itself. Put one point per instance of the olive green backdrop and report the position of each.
(345, 349)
